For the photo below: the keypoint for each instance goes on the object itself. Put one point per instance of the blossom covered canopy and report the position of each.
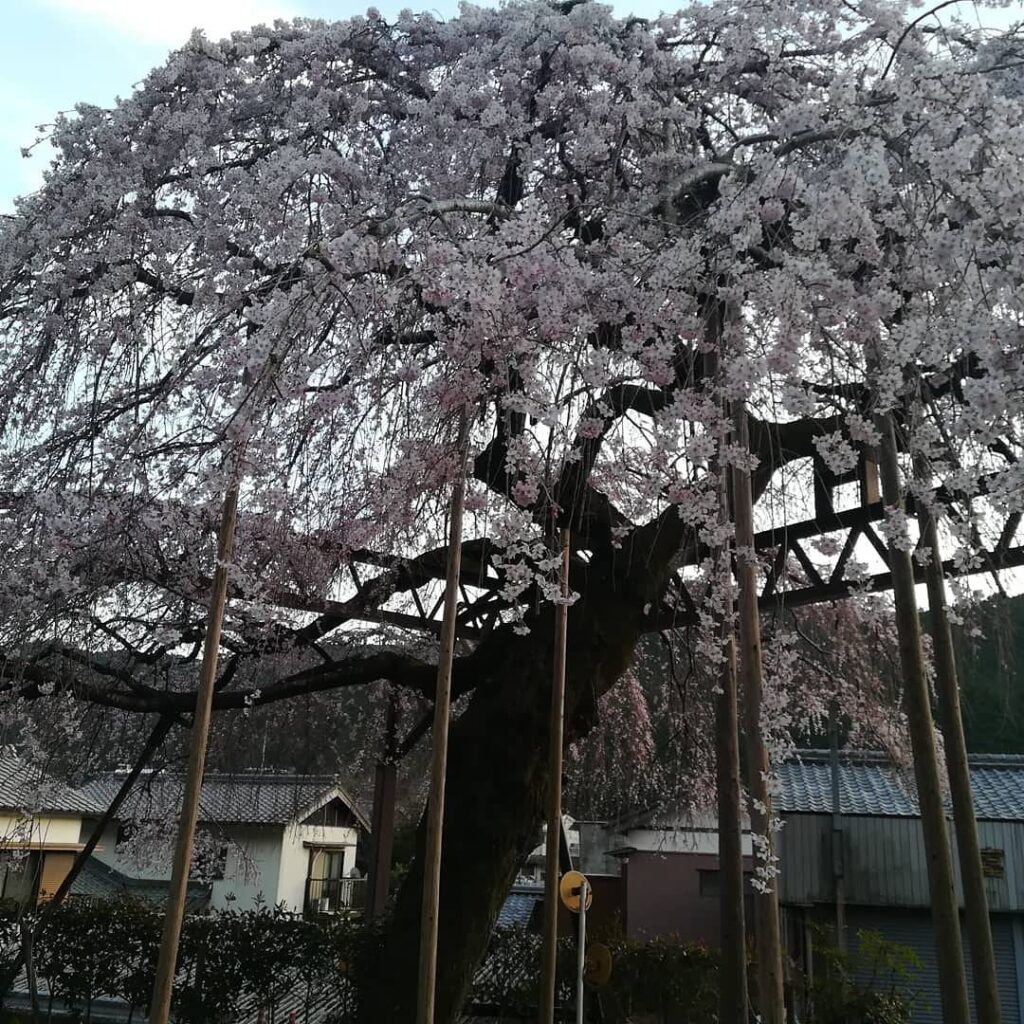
(303, 253)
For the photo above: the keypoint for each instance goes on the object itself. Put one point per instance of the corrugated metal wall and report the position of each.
(885, 862)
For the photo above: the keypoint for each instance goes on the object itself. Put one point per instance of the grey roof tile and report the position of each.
(239, 798)
(27, 788)
(519, 906)
(97, 880)
(869, 785)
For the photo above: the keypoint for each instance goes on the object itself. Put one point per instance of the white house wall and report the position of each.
(155, 865)
(264, 862)
(676, 840)
(295, 847)
(252, 870)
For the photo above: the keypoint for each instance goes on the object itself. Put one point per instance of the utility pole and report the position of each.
(163, 985)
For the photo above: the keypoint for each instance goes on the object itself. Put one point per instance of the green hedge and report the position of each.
(231, 961)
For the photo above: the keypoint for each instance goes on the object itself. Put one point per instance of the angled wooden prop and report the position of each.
(442, 709)
(160, 1006)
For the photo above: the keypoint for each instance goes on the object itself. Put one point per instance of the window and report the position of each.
(711, 882)
(333, 864)
(992, 863)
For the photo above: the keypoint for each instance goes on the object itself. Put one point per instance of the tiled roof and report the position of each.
(97, 880)
(239, 798)
(242, 798)
(869, 785)
(519, 905)
(25, 787)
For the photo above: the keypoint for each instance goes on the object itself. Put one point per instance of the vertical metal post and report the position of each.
(554, 826)
(581, 951)
(442, 709)
(160, 1007)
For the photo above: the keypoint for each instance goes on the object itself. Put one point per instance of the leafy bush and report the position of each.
(674, 981)
(234, 960)
(108, 948)
(865, 986)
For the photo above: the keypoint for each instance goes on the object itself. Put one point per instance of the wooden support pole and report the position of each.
(439, 763)
(945, 914)
(979, 928)
(382, 824)
(160, 1006)
(549, 952)
(732, 979)
(767, 929)
(732, 975)
(382, 836)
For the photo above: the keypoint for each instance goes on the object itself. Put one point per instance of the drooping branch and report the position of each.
(32, 680)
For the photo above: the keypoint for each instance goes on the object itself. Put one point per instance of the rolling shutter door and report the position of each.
(914, 930)
(1006, 969)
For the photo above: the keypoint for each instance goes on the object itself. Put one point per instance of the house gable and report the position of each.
(335, 813)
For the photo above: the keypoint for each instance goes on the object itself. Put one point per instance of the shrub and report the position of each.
(868, 985)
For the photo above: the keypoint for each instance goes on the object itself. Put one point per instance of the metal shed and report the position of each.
(869, 855)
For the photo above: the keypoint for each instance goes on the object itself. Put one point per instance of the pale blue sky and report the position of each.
(55, 53)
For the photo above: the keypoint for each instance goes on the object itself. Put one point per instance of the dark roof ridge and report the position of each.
(816, 755)
(244, 775)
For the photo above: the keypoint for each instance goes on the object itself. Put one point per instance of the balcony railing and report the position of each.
(334, 895)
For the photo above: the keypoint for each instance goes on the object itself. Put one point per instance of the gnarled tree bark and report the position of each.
(496, 791)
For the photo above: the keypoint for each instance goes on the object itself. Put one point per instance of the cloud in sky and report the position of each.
(172, 22)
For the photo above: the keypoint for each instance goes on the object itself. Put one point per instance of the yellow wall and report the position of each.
(48, 830)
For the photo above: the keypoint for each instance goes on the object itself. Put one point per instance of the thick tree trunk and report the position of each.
(945, 915)
(979, 928)
(767, 931)
(496, 787)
